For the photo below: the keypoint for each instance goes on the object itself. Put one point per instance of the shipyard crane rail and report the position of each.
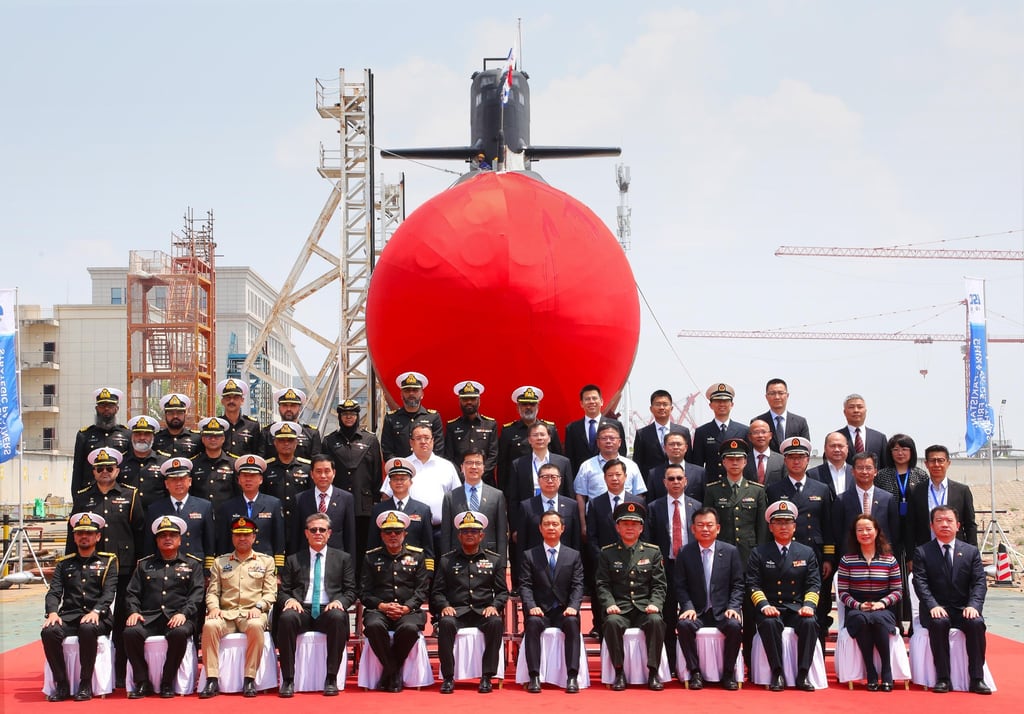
(935, 253)
(862, 336)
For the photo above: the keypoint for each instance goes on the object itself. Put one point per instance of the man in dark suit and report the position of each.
(522, 479)
(527, 528)
(836, 472)
(336, 503)
(330, 583)
(941, 491)
(581, 435)
(782, 423)
(265, 511)
(420, 533)
(765, 466)
(708, 586)
(859, 437)
(551, 587)
(475, 495)
(200, 538)
(676, 449)
(513, 442)
(668, 519)
(600, 522)
(863, 497)
(784, 585)
(709, 437)
(950, 582)
(649, 443)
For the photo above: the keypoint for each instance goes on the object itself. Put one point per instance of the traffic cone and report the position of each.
(1004, 576)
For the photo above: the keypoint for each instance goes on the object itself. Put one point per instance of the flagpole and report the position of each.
(21, 437)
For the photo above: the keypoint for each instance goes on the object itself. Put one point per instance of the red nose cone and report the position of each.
(507, 281)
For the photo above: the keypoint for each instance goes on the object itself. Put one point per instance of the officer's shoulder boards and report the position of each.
(452, 421)
(65, 557)
(374, 550)
(486, 418)
(193, 557)
(309, 426)
(271, 460)
(84, 428)
(506, 426)
(146, 557)
(303, 460)
(232, 456)
(83, 490)
(393, 411)
(414, 548)
(610, 545)
(549, 423)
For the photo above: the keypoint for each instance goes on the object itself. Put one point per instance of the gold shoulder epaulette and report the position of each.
(414, 548)
(452, 421)
(506, 426)
(303, 460)
(194, 557)
(610, 545)
(431, 411)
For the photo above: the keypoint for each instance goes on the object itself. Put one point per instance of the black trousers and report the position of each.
(177, 642)
(448, 626)
(392, 653)
(770, 629)
(974, 635)
(570, 627)
(53, 646)
(291, 624)
(686, 632)
(653, 626)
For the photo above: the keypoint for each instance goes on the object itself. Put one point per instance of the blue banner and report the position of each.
(979, 413)
(10, 404)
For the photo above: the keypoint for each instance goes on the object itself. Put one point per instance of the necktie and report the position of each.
(400, 505)
(866, 503)
(592, 434)
(947, 560)
(551, 560)
(721, 429)
(799, 485)
(735, 491)
(615, 502)
(705, 555)
(780, 429)
(248, 504)
(858, 443)
(317, 577)
(177, 507)
(661, 438)
(474, 500)
(760, 468)
(551, 504)
(785, 551)
(677, 529)
(323, 503)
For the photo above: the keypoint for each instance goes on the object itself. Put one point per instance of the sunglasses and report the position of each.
(103, 469)
(674, 478)
(318, 530)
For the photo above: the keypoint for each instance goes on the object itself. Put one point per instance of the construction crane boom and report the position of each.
(940, 253)
(861, 336)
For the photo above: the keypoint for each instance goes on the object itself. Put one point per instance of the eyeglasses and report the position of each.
(474, 464)
(674, 478)
(549, 477)
(939, 460)
(776, 393)
(318, 530)
(103, 469)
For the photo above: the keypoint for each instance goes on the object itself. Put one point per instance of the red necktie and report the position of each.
(677, 529)
(858, 443)
(760, 468)
(323, 503)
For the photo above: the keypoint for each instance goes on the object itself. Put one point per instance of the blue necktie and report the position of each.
(592, 434)
(248, 504)
(474, 500)
(551, 560)
(317, 579)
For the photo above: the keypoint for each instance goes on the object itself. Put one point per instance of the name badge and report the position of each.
(799, 563)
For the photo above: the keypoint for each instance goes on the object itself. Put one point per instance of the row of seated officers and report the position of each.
(317, 586)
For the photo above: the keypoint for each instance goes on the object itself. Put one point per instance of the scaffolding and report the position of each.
(171, 307)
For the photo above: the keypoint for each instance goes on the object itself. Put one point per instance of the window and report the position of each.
(117, 296)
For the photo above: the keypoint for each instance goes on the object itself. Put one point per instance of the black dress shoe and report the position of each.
(141, 691)
(804, 684)
(777, 684)
(61, 692)
(287, 690)
(534, 686)
(620, 681)
(84, 693)
(211, 689)
(331, 687)
(485, 685)
(978, 686)
(886, 685)
(654, 682)
(696, 681)
(166, 691)
(397, 683)
(447, 686)
(941, 686)
(572, 685)
(872, 686)
(249, 687)
(729, 684)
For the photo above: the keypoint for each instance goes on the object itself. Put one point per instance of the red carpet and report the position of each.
(21, 676)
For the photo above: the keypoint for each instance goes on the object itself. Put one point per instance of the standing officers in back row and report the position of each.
(289, 405)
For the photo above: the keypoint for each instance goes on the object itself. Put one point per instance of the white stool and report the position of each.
(922, 666)
(469, 655)
(311, 663)
(762, 673)
(710, 651)
(232, 664)
(634, 659)
(416, 671)
(850, 664)
(155, 652)
(552, 661)
(102, 675)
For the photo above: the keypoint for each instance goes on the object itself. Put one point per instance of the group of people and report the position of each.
(728, 527)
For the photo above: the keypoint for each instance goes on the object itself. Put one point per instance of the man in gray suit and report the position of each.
(765, 465)
(477, 496)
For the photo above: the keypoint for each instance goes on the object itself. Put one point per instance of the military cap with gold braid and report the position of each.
(229, 386)
(168, 524)
(400, 466)
(87, 522)
(243, 525)
(527, 395)
(213, 426)
(411, 380)
(175, 401)
(285, 430)
(629, 512)
(176, 466)
(108, 395)
(143, 424)
(289, 396)
(720, 390)
(470, 520)
(349, 405)
(393, 521)
(468, 389)
(104, 457)
(250, 463)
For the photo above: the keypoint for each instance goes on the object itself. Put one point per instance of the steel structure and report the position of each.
(349, 168)
(938, 253)
(171, 302)
(863, 336)
(623, 215)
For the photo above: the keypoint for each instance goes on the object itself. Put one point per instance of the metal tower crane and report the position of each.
(906, 251)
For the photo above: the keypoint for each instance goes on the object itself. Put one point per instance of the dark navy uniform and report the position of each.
(514, 442)
(242, 437)
(158, 590)
(90, 438)
(481, 432)
(143, 474)
(402, 578)
(740, 513)
(200, 539)
(214, 479)
(187, 443)
(469, 584)
(78, 586)
(284, 482)
(358, 469)
(397, 430)
(125, 516)
(307, 447)
(632, 578)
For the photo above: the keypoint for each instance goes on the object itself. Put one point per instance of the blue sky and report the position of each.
(746, 126)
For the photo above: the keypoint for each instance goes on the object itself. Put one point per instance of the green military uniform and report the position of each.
(632, 578)
(740, 512)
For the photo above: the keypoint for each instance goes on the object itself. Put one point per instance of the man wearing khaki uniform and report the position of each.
(243, 587)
